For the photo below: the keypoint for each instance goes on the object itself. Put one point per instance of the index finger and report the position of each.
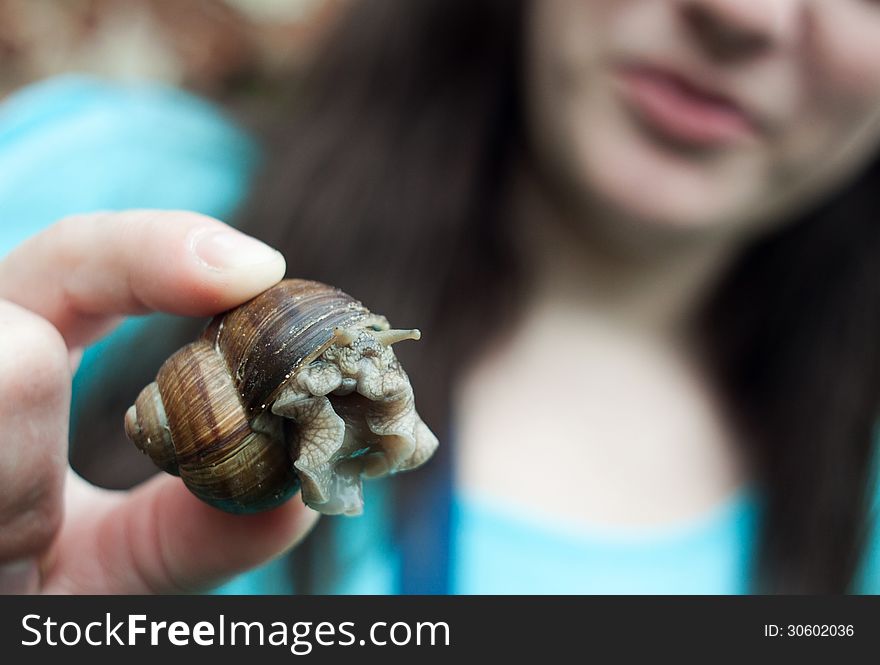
(84, 271)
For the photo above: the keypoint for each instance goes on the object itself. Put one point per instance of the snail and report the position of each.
(298, 388)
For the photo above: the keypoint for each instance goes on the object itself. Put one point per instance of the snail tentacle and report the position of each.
(389, 337)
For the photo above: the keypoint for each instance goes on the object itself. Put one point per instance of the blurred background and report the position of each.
(225, 49)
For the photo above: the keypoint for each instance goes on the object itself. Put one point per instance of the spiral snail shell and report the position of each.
(297, 388)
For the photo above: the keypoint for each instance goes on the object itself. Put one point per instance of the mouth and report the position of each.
(683, 110)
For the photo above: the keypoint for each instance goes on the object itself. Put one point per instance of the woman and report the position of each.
(639, 237)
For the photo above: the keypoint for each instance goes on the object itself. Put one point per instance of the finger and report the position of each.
(83, 271)
(34, 407)
(159, 538)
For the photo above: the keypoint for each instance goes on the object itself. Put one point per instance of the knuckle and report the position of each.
(68, 227)
(32, 528)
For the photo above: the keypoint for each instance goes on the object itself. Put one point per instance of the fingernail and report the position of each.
(228, 250)
(19, 577)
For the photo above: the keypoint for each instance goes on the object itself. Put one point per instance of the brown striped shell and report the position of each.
(297, 388)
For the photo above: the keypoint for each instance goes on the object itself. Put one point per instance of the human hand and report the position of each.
(60, 290)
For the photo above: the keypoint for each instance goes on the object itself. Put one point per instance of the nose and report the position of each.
(742, 29)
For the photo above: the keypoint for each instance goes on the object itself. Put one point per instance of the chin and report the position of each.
(641, 183)
(650, 202)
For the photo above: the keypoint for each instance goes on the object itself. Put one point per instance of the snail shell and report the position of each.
(297, 388)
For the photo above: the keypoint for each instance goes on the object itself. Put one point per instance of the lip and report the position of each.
(683, 109)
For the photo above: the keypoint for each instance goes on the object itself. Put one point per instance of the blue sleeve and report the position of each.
(76, 144)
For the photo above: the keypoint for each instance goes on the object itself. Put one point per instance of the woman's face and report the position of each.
(703, 113)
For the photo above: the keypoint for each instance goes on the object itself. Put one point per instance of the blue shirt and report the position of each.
(76, 144)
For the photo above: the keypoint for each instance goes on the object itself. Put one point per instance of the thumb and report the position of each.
(159, 538)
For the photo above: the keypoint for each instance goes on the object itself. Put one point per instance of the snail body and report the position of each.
(298, 388)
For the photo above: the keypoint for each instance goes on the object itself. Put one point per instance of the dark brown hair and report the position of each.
(793, 333)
